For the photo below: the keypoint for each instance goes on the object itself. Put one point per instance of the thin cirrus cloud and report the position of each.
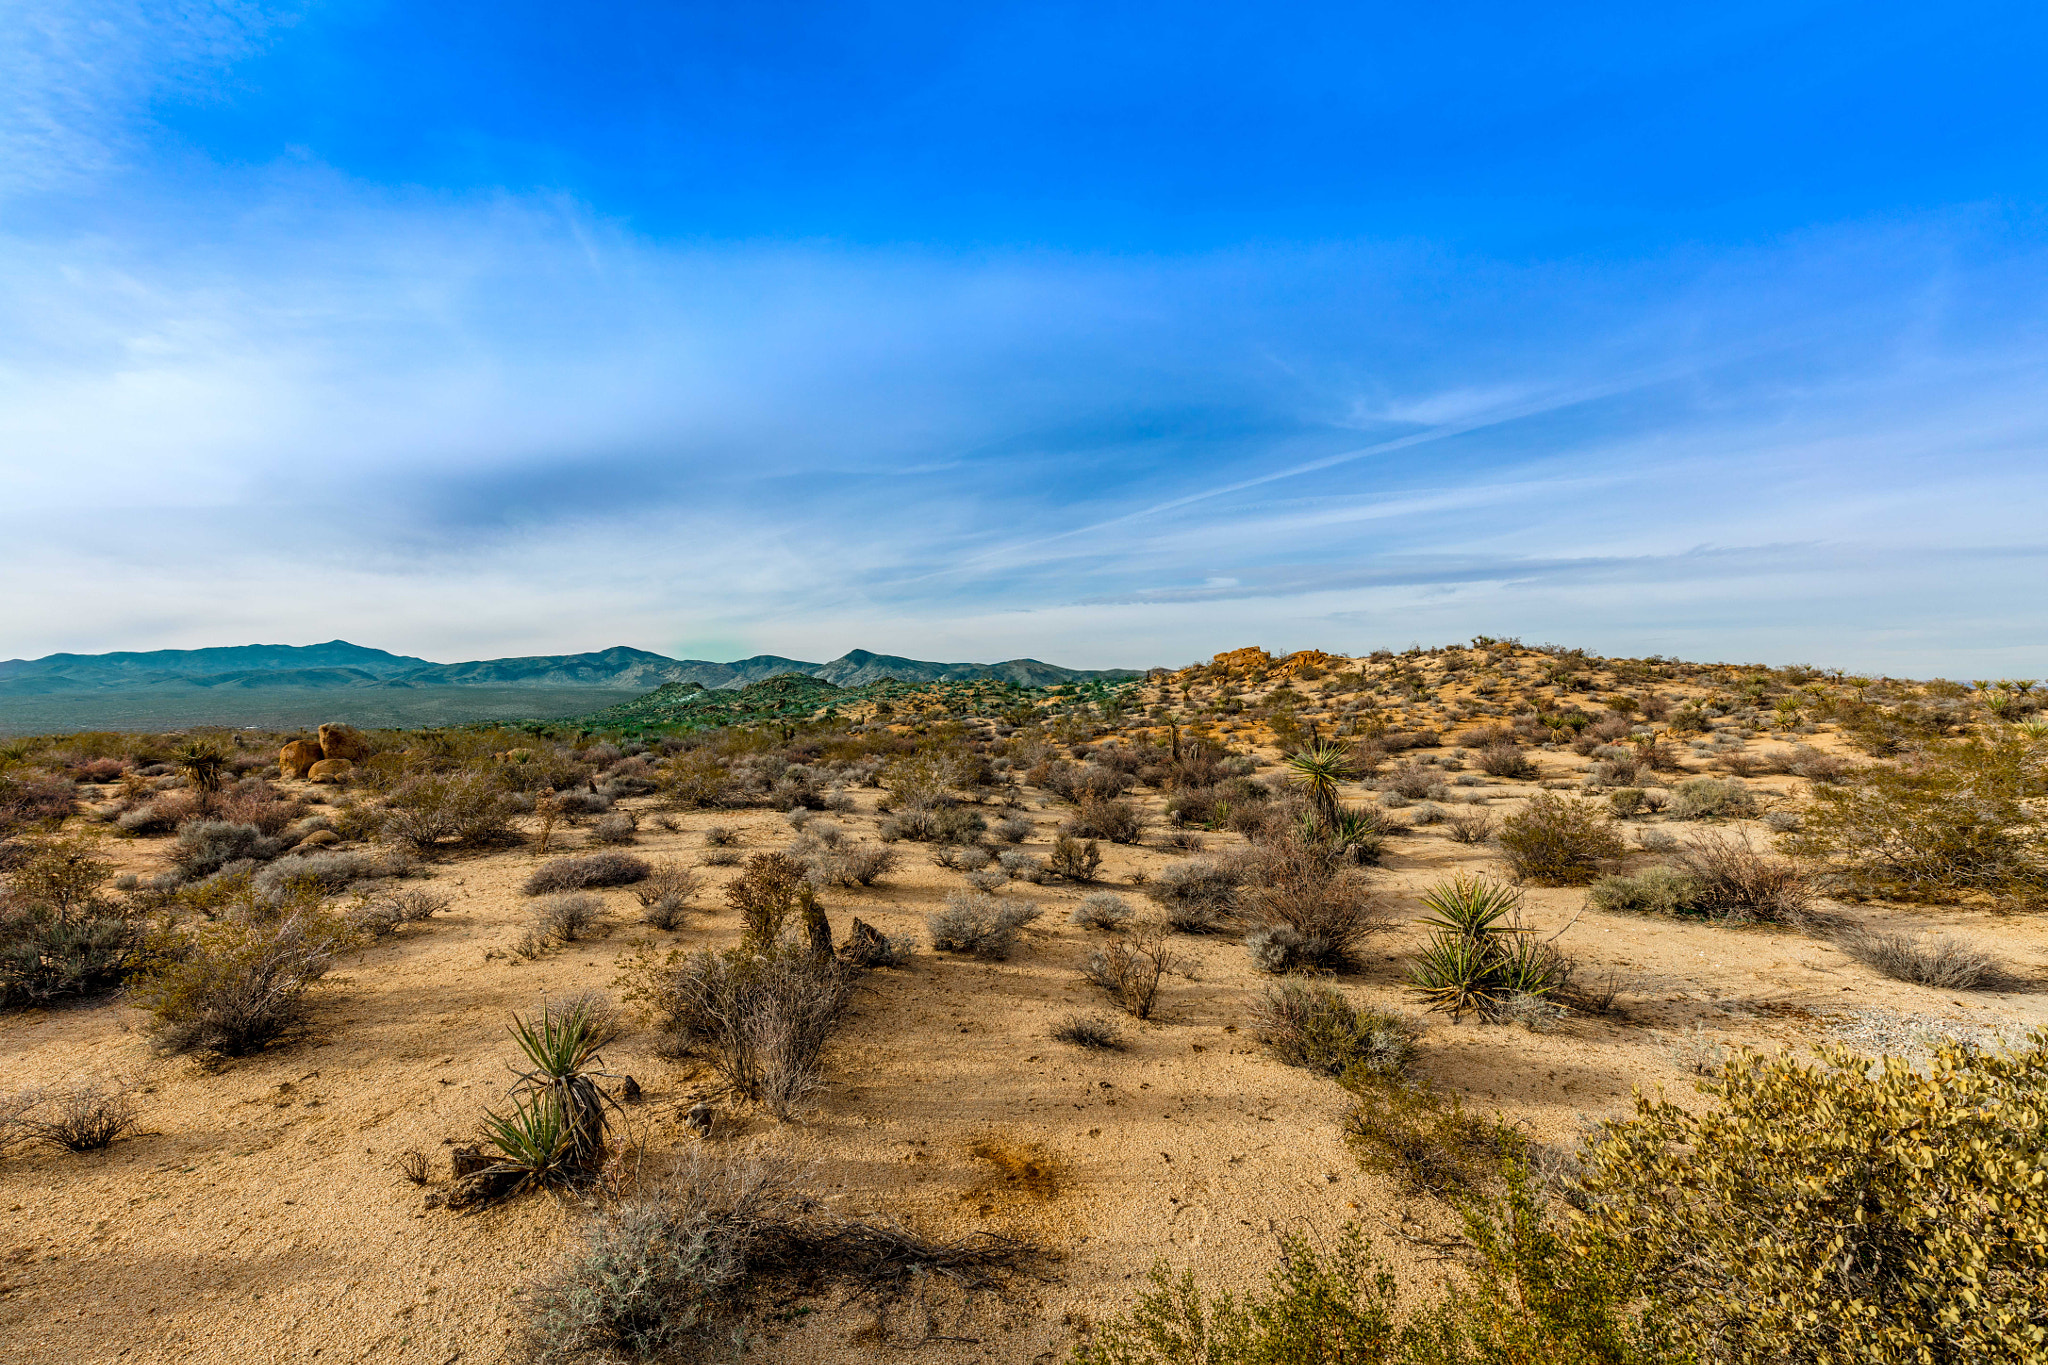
(284, 399)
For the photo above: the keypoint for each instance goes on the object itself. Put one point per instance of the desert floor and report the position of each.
(260, 1214)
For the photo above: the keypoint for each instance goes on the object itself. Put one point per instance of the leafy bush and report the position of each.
(1704, 798)
(465, 807)
(1074, 860)
(1127, 969)
(1839, 1211)
(978, 923)
(1943, 961)
(1102, 910)
(1653, 891)
(1961, 820)
(1559, 841)
(1314, 1026)
(204, 847)
(59, 934)
(594, 869)
(238, 984)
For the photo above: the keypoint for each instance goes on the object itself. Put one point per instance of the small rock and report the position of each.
(699, 1118)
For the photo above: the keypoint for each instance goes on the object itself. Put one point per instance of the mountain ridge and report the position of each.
(340, 665)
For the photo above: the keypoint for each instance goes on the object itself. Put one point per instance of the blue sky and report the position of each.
(1110, 334)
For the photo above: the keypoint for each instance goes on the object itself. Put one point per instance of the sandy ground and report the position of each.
(260, 1215)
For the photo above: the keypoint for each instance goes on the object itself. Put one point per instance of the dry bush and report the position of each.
(1102, 910)
(1416, 781)
(567, 916)
(1073, 859)
(330, 872)
(1013, 829)
(763, 1018)
(766, 895)
(577, 874)
(1312, 1025)
(1089, 1031)
(1120, 822)
(1314, 911)
(1198, 895)
(1505, 760)
(1559, 841)
(204, 847)
(1424, 1138)
(1734, 880)
(719, 836)
(977, 923)
(1127, 969)
(666, 893)
(860, 864)
(377, 916)
(235, 985)
(1943, 961)
(1839, 1211)
(1653, 891)
(619, 827)
(1475, 827)
(89, 1117)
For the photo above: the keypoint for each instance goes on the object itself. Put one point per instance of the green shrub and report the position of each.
(1314, 1026)
(238, 984)
(467, 808)
(1480, 957)
(1961, 820)
(1559, 841)
(1838, 1212)
(59, 934)
(1653, 891)
(1705, 798)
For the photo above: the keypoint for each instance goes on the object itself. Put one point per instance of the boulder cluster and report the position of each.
(329, 758)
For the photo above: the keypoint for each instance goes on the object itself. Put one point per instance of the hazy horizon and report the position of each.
(1106, 336)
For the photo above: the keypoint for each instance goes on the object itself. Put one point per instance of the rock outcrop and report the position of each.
(343, 741)
(330, 770)
(294, 758)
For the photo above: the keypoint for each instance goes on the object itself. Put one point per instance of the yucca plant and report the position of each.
(1480, 957)
(1319, 768)
(561, 1046)
(536, 1145)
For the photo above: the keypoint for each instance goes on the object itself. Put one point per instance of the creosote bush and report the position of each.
(1559, 841)
(235, 985)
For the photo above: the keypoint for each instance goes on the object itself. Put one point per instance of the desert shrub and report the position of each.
(719, 836)
(977, 923)
(1898, 1216)
(1943, 961)
(666, 893)
(1073, 859)
(1321, 910)
(695, 780)
(1120, 822)
(31, 797)
(1475, 827)
(1013, 829)
(148, 820)
(1479, 957)
(1314, 1026)
(204, 847)
(566, 916)
(1127, 969)
(1734, 880)
(577, 801)
(88, 1117)
(1185, 841)
(1415, 781)
(1102, 910)
(1198, 895)
(1090, 1031)
(1559, 841)
(619, 827)
(331, 872)
(59, 933)
(661, 1271)
(377, 916)
(1960, 820)
(1625, 801)
(1815, 766)
(773, 887)
(860, 864)
(1505, 760)
(989, 879)
(1705, 798)
(934, 825)
(465, 807)
(1022, 866)
(236, 985)
(1653, 891)
(763, 1017)
(972, 857)
(594, 869)
(1423, 1137)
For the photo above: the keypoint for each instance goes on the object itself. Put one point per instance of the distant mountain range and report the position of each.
(339, 665)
